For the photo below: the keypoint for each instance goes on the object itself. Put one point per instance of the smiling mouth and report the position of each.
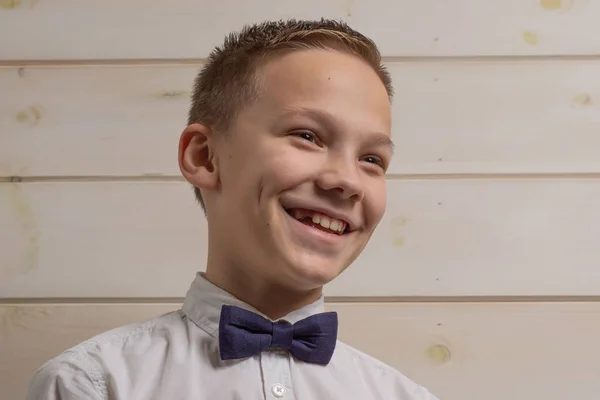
(319, 221)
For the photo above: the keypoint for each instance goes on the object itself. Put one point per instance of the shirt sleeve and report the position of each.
(405, 389)
(67, 377)
(427, 395)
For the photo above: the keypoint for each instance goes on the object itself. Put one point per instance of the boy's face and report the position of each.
(310, 153)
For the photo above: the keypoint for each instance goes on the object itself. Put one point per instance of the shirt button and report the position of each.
(278, 390)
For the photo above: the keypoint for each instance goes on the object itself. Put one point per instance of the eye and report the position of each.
(307, 135)
(374, 160)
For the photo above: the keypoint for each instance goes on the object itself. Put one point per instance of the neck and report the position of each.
(271, 299)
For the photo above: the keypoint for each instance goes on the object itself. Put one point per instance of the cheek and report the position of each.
(375, 203)
(288, 169)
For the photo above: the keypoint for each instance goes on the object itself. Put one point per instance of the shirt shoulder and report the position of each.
(79, 372)
(384, 379)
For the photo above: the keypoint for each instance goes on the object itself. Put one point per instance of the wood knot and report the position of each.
(10, 4)
(439, 354)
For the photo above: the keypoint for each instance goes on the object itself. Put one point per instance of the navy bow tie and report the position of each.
(243, 333)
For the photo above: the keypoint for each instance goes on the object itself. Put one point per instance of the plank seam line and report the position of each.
(201, 60)
(328, 299)
(391, 176)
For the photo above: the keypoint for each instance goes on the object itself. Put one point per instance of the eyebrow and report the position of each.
(326, 118)
(384, 140)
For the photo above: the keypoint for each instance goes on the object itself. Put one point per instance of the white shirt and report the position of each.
(176, 356)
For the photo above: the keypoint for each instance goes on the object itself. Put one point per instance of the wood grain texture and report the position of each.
(109, 120)
(190, 29)
(438, 238)
(448, 118)
(460, 351)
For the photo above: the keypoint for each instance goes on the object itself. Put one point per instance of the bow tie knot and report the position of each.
(243, 333)
(283, 335)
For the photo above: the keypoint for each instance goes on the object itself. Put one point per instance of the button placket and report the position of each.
(277, 375)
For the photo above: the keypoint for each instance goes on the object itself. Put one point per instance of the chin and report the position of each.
(314, 272)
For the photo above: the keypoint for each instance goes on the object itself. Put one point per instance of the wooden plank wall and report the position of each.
(484, 270)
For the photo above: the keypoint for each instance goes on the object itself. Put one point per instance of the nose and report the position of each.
(342, 178)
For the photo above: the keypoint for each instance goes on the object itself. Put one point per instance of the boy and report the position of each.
(287, 145)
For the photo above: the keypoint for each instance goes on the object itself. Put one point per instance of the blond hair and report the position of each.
(226, 82)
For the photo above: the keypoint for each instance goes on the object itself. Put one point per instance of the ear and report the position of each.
(197, 160)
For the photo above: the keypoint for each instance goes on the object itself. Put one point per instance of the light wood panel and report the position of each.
(109, 120)
(438, 238)
(188, 28)
(99, 239)
(464, 117)
(497, 117)
(460, 351)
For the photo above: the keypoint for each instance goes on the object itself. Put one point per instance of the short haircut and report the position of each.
(227, 81)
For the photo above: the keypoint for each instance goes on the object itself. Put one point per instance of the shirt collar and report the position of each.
(203, 302)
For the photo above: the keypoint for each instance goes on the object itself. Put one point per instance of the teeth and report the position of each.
(329, 223)
(320, 219)
(335, 225)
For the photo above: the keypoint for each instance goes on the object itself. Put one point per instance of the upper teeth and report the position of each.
(325, 221)
(329, 223)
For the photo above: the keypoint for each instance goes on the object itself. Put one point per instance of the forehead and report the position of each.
(340, 85)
